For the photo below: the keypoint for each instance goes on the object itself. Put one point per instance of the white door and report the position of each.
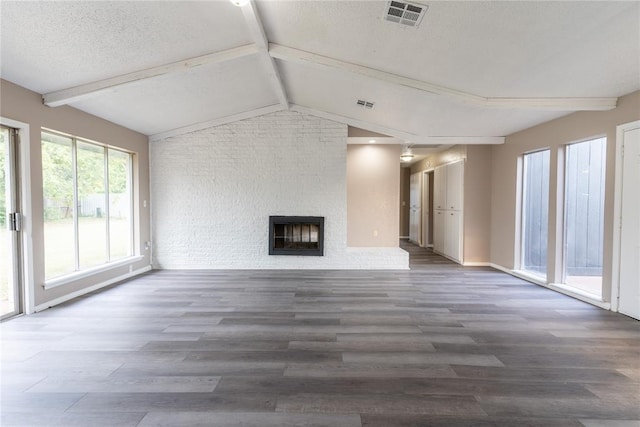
(415, 211)
(440, 187)
(438, 230)
(629, 273)
(452, 235)
(455, 177)
(425, 209)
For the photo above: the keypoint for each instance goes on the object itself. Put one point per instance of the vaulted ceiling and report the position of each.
(471, 71)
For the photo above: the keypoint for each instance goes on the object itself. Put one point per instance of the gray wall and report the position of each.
(477, 195)
(25, 106)
(554, 134)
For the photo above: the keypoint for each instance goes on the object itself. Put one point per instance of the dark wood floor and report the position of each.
(440, 345)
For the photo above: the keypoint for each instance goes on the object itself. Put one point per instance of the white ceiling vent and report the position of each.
(405, 13)
(365, 104)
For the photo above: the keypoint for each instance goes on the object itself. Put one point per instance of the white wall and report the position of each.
(213, 191)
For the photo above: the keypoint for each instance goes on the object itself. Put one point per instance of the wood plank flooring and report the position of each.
(440, 345)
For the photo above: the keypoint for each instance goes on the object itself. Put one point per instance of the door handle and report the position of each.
(15, 221)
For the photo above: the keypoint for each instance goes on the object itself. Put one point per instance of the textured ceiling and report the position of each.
(418, 112)
(488, 48)
(197, 95)
(53, 45)
(516, 49)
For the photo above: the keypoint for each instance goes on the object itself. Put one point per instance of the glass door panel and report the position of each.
(92, 207)
(535, 213)
(9, 220)
(58, 191)
(120, 206)
(584, 215)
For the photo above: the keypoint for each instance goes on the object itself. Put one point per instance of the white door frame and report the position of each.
(617, 212)
(27, 282)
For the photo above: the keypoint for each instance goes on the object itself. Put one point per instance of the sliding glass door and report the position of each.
(584, 215)
(10, 221)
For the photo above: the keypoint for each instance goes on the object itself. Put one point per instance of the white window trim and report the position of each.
(558, 287)
(521, 218)
(88, 272)
(135, 255)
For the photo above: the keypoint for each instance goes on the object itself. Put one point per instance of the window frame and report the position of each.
(561, 273)
(133, 254)
(522, 241)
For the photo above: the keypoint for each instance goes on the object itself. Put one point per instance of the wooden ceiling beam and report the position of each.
(297, 56)
(216, 122)
(78, 93)
(259, 37)
(406, 137)
(355, 122)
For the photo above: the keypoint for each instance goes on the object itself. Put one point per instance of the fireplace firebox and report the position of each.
(296, 235)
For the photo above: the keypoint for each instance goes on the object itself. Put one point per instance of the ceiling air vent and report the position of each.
(365, 104)
(409, 14)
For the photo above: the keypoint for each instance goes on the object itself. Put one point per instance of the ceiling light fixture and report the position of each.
(406, 155)
(372, 141)
(240, 3)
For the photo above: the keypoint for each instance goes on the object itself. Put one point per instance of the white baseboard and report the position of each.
(499, 267)
(448, 257)
(477, 264)
(554, 287)
(558, 287)
(519, 274)
(84, 291)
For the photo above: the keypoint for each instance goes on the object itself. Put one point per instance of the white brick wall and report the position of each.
(213, 191)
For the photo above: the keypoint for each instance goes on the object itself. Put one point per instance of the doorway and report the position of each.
(11, 298)
(421, 208)
(584, 196)
(427, 209)
(415, 208)
(626, 263)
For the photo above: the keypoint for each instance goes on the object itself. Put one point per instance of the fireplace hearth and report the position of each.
(296, 235)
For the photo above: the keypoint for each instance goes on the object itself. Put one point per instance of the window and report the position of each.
(87, 190)
(584, 215)
(535, 212)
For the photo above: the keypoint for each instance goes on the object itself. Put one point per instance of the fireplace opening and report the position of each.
(296, 235)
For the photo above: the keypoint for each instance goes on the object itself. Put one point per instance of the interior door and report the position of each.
(455, 179)
(10, 221)
(629, 284)
(415, 210)
(426, 210)
(438, 230)
(440, 188)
